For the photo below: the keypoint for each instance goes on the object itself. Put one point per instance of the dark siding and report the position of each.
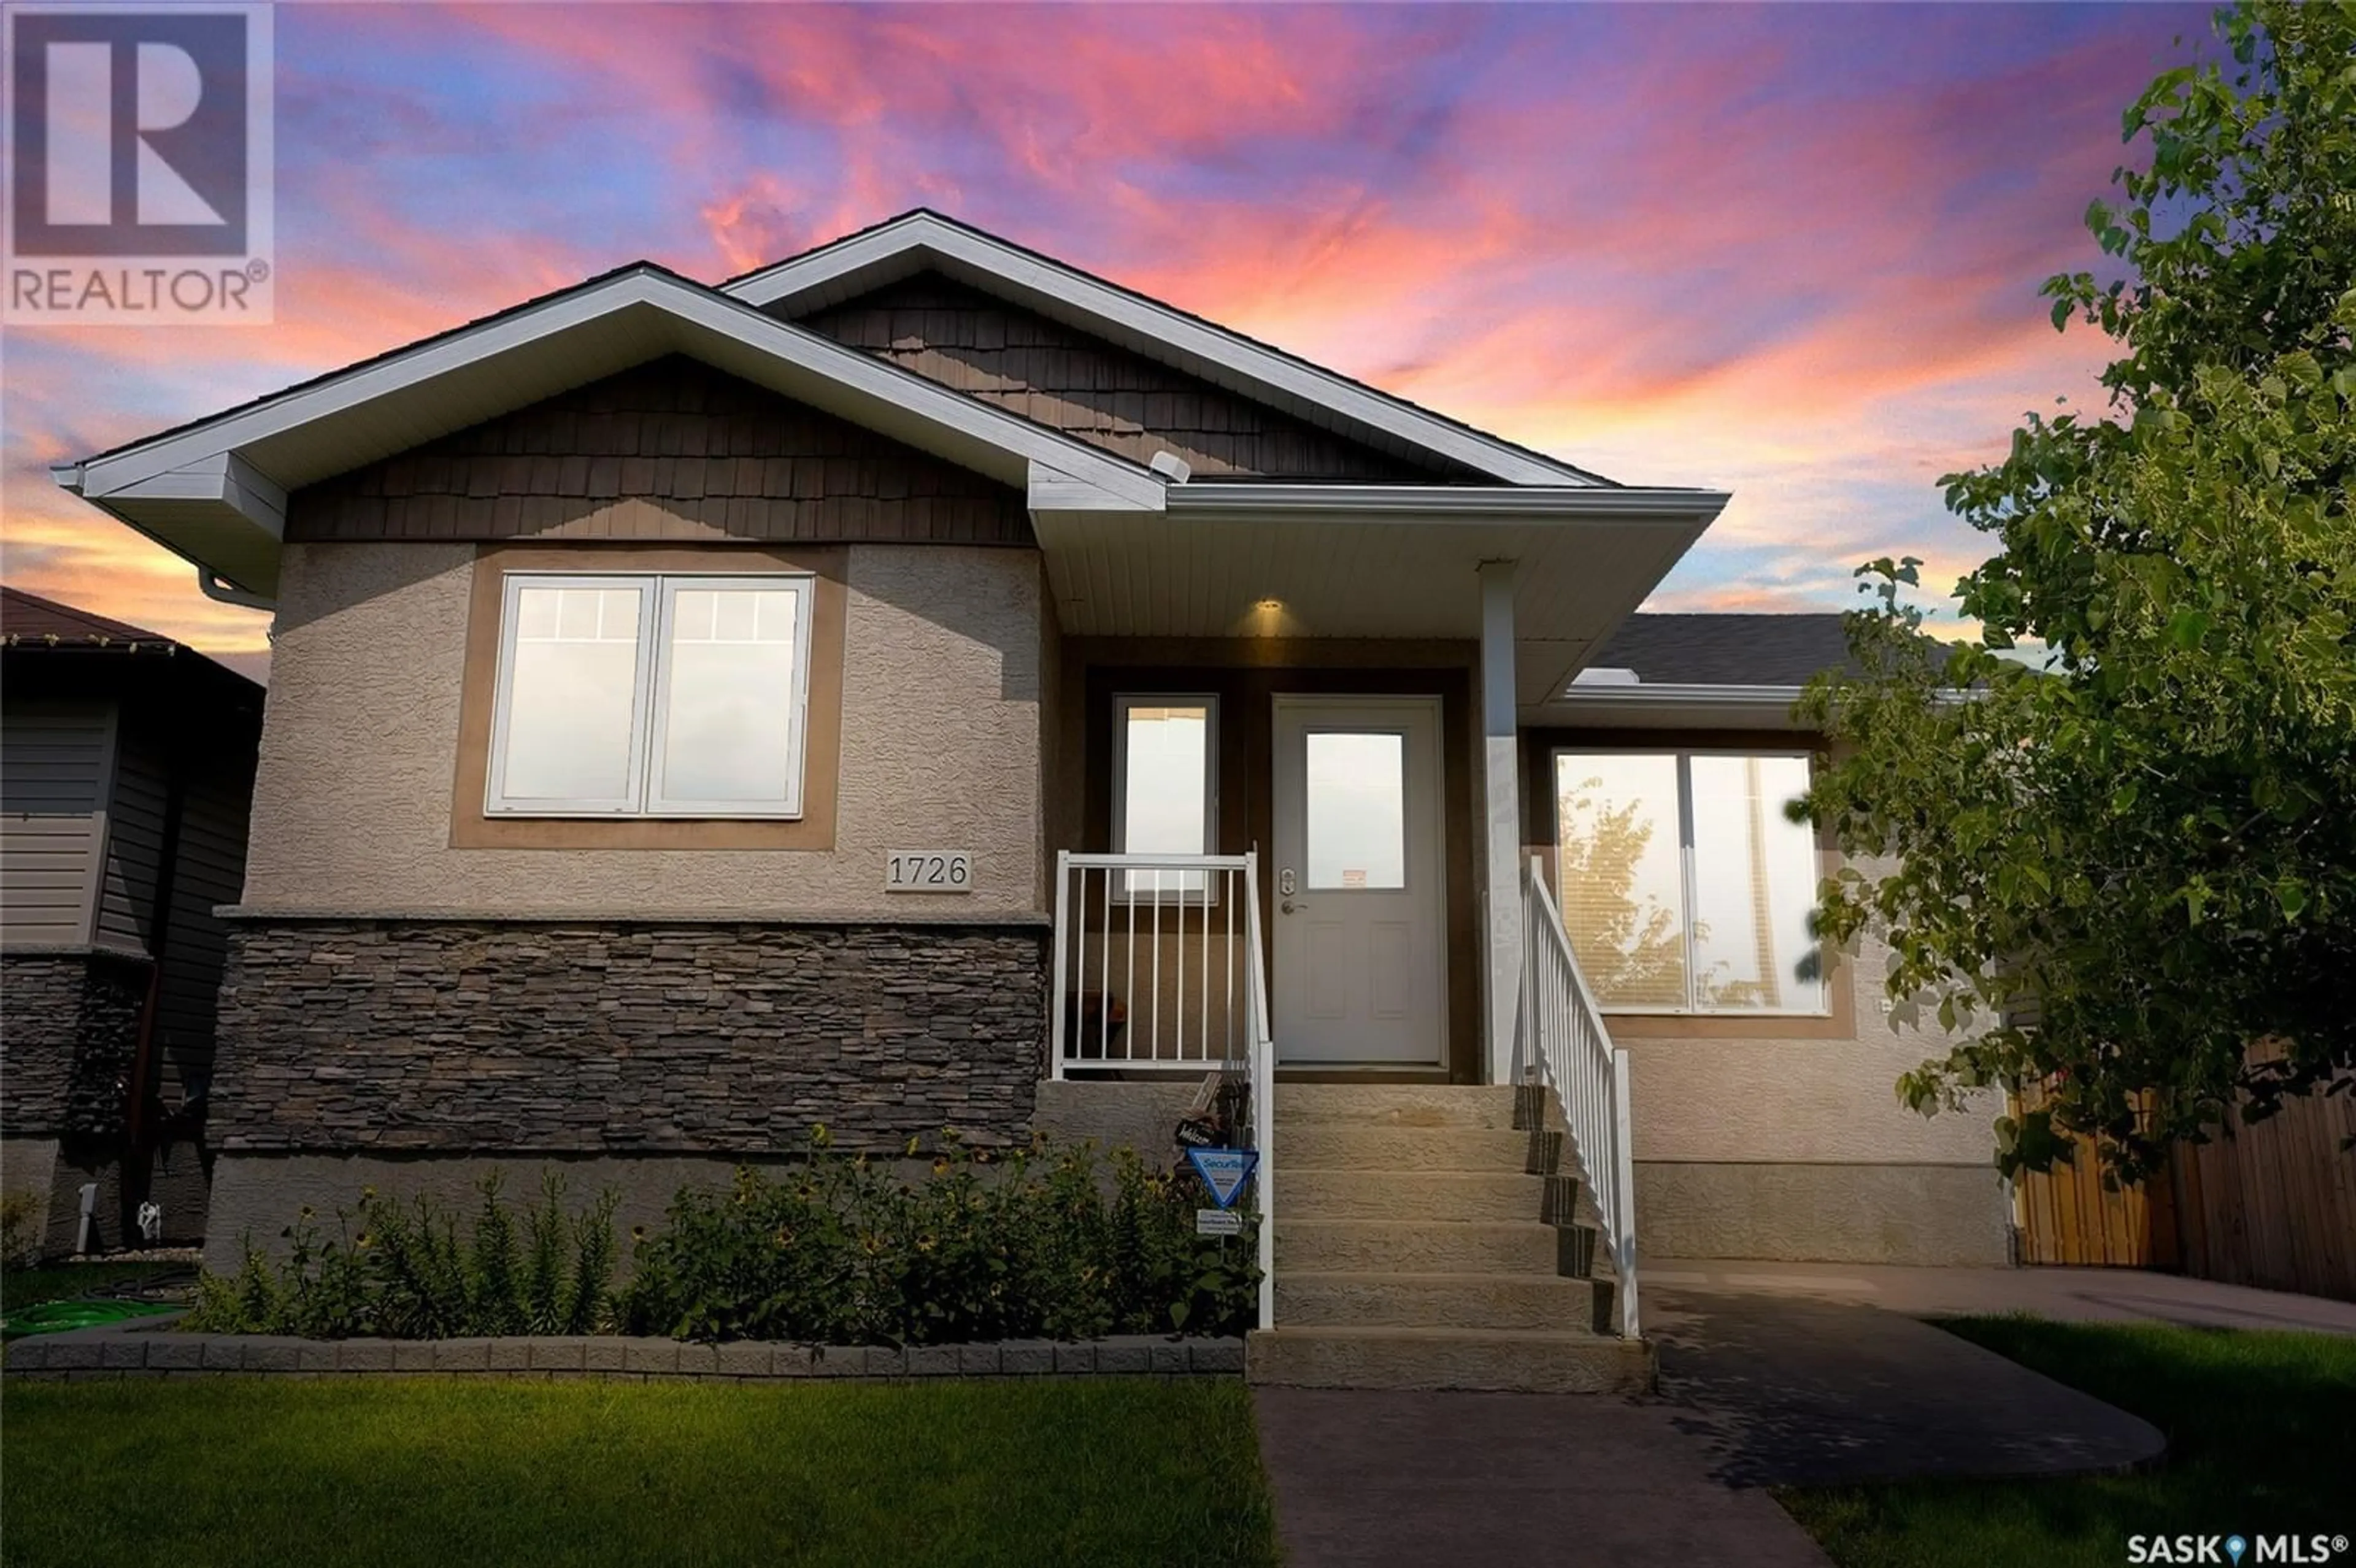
(53, 760)
(135, 842)
(209, 870)
(1097, 391)
(670, 450)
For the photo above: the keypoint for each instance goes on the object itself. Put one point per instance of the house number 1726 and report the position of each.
(928, 871)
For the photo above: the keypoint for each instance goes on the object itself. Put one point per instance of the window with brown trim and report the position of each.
(815, 673)
(650, 694)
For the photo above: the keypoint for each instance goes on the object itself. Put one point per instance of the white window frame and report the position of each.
(657, 594)
(1688, 885)
(660, 803)
(1121, 892)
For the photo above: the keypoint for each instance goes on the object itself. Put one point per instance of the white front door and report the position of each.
(1358, 955)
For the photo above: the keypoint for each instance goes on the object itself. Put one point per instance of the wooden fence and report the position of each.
(2272, 1205)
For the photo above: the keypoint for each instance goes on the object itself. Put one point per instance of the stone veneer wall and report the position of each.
(66, 1049)
(456, 1036)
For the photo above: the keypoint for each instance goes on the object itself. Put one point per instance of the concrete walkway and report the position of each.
(1415, 1480)
(1799, 1390)
(1770, 1373)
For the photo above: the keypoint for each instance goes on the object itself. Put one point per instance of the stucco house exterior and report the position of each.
(919, 684)
(126, 764)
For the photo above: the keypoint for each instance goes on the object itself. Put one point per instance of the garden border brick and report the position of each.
(149, 1348)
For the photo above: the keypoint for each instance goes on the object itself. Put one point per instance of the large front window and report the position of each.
(650, 696)
(1685, 888)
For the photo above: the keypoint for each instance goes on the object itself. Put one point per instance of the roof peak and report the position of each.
(924, 236)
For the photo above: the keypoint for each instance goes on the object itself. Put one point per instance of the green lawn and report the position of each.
(61, 1282)
(419, 1471)
(2261, 1440)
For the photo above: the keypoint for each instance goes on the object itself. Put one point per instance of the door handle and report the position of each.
(1288, 906)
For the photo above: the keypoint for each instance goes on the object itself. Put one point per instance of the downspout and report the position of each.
(139, 1156)
(221, 592)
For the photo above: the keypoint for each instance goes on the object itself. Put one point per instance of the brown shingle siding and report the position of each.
(670, 450)
(1097, 391)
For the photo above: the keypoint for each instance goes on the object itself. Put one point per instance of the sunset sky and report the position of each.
(1791, 250)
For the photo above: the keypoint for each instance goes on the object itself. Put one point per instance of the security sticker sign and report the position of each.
(1225, 1171)
(140, 165)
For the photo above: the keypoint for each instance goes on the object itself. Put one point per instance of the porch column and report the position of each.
(1500, 975)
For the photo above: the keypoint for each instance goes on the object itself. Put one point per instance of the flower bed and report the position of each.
(1041, 1245)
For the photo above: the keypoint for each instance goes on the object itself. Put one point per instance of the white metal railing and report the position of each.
(1159, 967)
(1564, 1046)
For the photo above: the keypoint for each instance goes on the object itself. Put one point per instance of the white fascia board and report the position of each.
(1050, 489)
(842, 379)
(1445, 503)
(1251, 363)
(222, 476)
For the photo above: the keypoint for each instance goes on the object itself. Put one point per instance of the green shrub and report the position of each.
(836, 1251)
(20, 1241)
(404, 1271)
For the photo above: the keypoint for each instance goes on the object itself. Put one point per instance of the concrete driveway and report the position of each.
(1770, 1373)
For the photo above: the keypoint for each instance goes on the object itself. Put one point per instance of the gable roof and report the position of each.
(1128, 549)
(215, 490)
(1087, 386)
(923, 239)
(1761, 650)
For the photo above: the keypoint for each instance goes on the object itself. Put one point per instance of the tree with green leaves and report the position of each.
(2125, 865)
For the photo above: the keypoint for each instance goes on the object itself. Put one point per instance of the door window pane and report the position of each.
(1165, 788)
(1754, 885)
(1622, 876)
(727, 680)
(571, 694)
(1356, 805)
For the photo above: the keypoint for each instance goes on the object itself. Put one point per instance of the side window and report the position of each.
(1165, 787)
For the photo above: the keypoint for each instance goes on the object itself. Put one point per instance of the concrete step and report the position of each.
(1378, 1146)
(1315, 1194)
(1397, 1104)
(1434, 1300)
(1418, 1246)
(1502, 1360)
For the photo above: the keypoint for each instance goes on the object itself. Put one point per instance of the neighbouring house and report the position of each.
(922, 685)
(126, 766)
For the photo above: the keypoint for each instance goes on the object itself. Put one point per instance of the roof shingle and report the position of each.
(1775, 650)
(28, 617)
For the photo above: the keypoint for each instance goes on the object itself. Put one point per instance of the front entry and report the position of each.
(1358, 955)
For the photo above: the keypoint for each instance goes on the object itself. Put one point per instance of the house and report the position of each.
(126, 764)
(921, 685)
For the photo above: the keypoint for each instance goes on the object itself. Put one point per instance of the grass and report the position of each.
(62, 1282)
(2261, 1440)
(420, 1471)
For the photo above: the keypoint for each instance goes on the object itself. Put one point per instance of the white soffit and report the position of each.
(922, 240)
(1229, 568)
